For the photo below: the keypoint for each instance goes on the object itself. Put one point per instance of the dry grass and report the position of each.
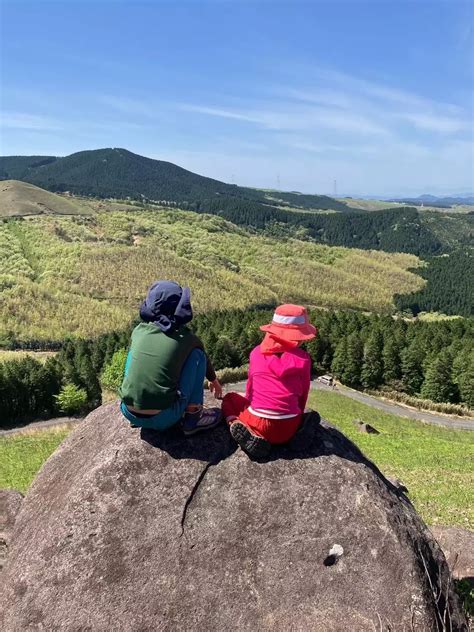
(18, 199)
(84, 276)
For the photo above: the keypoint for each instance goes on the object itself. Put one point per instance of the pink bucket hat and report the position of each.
(290, 322)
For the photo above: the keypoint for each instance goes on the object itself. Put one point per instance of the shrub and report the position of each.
(71, 399)
(423, 404)
(112, 375)
(231, 375)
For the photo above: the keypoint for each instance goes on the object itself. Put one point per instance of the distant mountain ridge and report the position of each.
(119, 173)
(434, 200)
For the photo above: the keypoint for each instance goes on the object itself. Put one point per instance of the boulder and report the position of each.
(131, 530)
(458, 546)
(363, 427)
(10, 503)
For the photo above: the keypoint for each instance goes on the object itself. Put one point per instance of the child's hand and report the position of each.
(216, 388)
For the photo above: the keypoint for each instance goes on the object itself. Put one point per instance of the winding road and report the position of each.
(456, 423)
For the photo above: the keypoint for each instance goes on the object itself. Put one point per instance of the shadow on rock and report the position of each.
(326, 440)
(216, 445)
(210, 446)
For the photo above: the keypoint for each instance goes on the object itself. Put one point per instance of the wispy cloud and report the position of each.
(22, 120)
(436, 122)
(129, 106)
(293, 117)
(341, 104)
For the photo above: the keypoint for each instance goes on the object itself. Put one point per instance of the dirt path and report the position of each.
(456, 423)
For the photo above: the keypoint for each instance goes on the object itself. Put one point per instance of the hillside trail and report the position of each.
(455, 423)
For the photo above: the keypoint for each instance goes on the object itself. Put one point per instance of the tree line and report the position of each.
(433, 360)
(449, 288)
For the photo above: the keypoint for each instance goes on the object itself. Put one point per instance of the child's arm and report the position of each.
(305, 384)
(214, 384)
(248, 388)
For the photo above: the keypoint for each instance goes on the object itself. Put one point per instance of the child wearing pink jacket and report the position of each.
(278, 385)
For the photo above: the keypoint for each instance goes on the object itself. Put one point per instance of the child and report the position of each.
(277, 386)
(166, 366)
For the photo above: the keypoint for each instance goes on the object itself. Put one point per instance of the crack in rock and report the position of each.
(192, 494)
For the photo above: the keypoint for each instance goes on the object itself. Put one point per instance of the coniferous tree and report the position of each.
(372, 367)
(355, 352)
(463, 375)
(225, 354)
(438, 385)
(339, 359)
(412, 368)
(391, 360)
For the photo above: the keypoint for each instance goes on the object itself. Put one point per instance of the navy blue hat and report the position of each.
(167, 305)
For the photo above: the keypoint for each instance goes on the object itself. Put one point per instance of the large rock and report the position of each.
(129, 530)
(458, 547)
(10, 503)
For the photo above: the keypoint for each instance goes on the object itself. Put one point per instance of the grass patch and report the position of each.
(22, 455)
(436, 464)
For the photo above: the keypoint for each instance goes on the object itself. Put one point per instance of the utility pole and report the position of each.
(335, 188)
(278, 182)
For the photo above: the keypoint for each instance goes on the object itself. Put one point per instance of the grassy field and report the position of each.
(369, 205)
(86, 275)
(18, 199)
(436, 464)
(22, 455)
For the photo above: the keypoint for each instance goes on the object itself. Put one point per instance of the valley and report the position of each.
(83, 276)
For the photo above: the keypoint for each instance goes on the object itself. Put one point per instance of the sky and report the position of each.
(353, 97)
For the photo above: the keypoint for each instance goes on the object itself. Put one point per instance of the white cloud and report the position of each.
(291, 116)
(436, 123)
(129, 106)
(22, 120)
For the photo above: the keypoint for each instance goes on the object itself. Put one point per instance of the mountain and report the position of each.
(18, 199)
(16, 167)
(118, 173)
(442, 202)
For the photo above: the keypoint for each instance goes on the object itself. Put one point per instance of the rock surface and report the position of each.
(130, 530)
(10, 503)
(458, 547)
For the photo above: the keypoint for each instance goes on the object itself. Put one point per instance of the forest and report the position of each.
(449, 288)
(433, 360)
(403, 229)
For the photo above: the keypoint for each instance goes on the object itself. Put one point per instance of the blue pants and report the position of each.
(190, 391)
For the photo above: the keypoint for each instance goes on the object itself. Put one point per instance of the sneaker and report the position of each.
(255, 446)
(305, 433)
(204, 419)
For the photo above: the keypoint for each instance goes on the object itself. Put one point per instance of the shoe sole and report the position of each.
(253, 445)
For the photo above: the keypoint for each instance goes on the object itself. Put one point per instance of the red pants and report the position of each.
(273, 430)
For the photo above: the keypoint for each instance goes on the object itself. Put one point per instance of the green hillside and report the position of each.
(85, 275)
(121, 175)
(18, 199)
(403, 229)
(17, 167)
(118, 173)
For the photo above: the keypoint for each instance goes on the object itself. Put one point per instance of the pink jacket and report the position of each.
(279, 382)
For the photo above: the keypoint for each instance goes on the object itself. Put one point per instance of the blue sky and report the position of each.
(377, 95)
